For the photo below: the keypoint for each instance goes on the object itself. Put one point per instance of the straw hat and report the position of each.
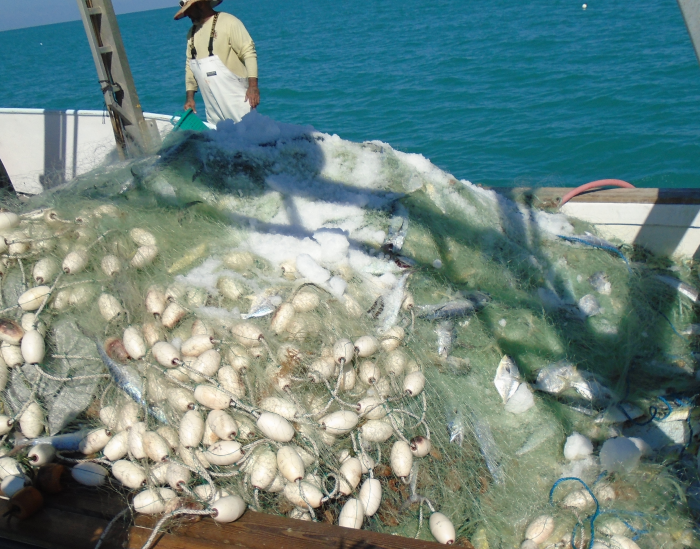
(187, 4)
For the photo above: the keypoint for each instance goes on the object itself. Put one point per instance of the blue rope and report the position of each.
(592, 517)
(672, 326)
(601, 476)
(668, 405)
(653, 410)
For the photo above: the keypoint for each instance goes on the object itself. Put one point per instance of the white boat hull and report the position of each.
(42, 148)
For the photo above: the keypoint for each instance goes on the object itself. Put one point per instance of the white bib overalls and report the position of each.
(223, 92)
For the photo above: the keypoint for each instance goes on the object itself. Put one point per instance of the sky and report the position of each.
(16, 14)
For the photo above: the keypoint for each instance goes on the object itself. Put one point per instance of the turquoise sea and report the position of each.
(500, 92)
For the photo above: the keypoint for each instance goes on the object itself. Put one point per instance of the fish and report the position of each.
(488, 447)
(600, 283)
(69, 442)
(536, 439)
(404, 262)
(398, 229)
(452, 309)
(556, 378)
(593, 391)
(262, 305)
(596, 242)
(392, 301)
(507, 378)
(128, 380)
(455, 424)
(445, 338)
(685, 289)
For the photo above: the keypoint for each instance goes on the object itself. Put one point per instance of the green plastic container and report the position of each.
(188, 121)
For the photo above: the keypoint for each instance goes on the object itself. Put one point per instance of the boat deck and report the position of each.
(75, 519)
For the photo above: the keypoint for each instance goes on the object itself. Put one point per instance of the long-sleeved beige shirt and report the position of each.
(232, 44)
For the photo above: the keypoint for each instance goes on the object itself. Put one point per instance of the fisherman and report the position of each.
(221, 62)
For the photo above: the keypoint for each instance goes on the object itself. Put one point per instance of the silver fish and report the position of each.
(686, 289)
(536, 439)
(69, 442)
(593, 391)
(262, 306)
(445, 337)
(452, 309)
(398, 229)
(557, 378)
(488, 447)
(507, 378)
(455, 424)
(128, 380)
(600, 283)
(392, 304)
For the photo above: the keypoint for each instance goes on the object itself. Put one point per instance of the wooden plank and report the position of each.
(57, 529)
(75, 518)
(262, 531)
(549, 197)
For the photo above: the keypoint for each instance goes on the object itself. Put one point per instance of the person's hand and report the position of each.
(190, 104)
(252, 96)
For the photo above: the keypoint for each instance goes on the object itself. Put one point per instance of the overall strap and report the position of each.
(193, 50)
(211, 36)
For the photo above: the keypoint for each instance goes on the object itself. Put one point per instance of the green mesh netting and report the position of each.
(320, 240)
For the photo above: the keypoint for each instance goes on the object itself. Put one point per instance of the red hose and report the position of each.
(594, 185)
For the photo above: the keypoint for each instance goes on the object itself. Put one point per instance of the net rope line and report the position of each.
(407, 416)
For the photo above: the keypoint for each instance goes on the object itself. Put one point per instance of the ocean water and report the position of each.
(500, 93)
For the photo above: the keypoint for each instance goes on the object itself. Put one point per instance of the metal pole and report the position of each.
(135, 136)
(691, 13)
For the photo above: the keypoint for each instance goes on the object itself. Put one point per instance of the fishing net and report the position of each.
(410, 328)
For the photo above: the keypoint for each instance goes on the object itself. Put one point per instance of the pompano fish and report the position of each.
(593, 391)
(507, 378)
(445, 338)
(452, 309)
(557, 378)
(392, 305)
(686, 289)
(128, 380)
